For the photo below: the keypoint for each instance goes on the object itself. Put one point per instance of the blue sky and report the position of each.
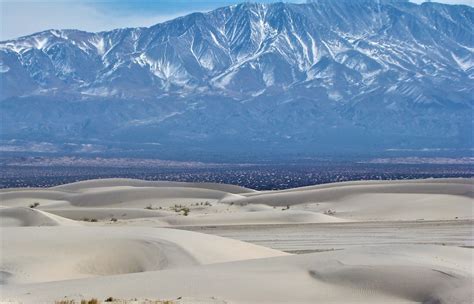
(23, 17)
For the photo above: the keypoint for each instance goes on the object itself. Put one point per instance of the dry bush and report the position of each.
(330, 212)
(91, 301)
(68, 301)
(180, 208)
(34, 205)
(86, 219)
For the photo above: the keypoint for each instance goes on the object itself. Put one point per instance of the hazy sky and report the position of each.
(23, 17)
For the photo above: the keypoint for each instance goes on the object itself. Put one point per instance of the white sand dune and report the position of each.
(142, 196)
(84, 186)
(49, 252)
(22, 216)
(61, 253)
(122, 196)
(24, 198)
(106, 214)
(430, 199)
(252, 218)
(411, 274)
(382, 200)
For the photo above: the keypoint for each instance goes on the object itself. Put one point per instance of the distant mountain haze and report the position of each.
(318, 77)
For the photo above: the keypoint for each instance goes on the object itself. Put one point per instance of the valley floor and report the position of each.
(145, 242)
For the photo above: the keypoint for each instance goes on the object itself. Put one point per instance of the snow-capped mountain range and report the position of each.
(323, 75)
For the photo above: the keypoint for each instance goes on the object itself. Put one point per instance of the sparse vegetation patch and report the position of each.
(150, 207)
(115, 301)
(83, 301)
(180, 208)
(93, 220)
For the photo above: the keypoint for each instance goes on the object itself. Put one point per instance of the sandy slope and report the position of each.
(393, 200)
(411, 274)
(118, 182)
(23, 216)
(60, 253)
(50, 251)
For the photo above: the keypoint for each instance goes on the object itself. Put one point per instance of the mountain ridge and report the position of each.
(278, 74)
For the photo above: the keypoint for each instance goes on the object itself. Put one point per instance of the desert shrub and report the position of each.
(86, 219)
(113, 219)
(34, 205)
(286, 208)
(83, 301)
(150, 207)
(330, 212)
(180, 208)
(177, 208)
(91, 301)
